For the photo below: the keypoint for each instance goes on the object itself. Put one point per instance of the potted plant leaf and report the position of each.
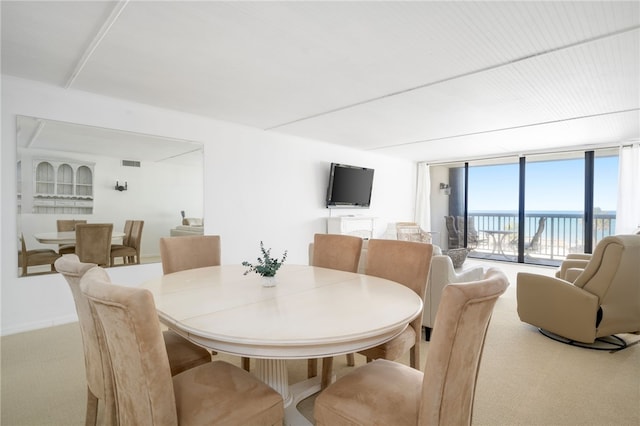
(266, 266)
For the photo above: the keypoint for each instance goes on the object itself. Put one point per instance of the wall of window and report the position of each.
(536, 208)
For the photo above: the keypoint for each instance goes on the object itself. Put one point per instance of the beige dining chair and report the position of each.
(407, 263)
(35, 257)
(64, 225)
(182, 354)
(389, 393)
(215, 393)
(129, 250)
(93, 243)
(333, 251)
(189, 252)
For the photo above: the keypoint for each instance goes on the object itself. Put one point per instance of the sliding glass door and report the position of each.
(605, 191)
(493, 207)
(554, 202)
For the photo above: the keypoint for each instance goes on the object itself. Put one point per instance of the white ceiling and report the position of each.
(422, 80)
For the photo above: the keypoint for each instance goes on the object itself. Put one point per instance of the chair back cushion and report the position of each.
(140, 369)
(96, 365)
(93, 242)
(341, 252)
(455, 350)
(189, 252)
(135, 236)
(405, 262)
(63, 225)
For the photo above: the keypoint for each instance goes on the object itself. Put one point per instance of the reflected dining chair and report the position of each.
(63, 225)
(181, 353)
(35, 257)
(333, 251)
(407, 263)
(93, 243)
(389, 393)
(145, 393)
(129, 250)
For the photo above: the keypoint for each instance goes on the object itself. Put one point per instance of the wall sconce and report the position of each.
(120, 187)
(445, 189)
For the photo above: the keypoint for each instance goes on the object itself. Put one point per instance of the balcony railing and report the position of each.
(562, 234)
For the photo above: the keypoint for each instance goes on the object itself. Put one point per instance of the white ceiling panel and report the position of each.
(369, 75)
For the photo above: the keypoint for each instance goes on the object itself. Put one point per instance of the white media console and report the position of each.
(361, 226)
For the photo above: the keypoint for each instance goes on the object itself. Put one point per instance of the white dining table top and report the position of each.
(66, 237)
(311, 312)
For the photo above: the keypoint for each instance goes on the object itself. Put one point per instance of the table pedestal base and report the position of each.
(274, 373)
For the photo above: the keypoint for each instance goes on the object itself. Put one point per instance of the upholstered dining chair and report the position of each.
(35, 257)
(215, 393)
(407, 263)
(333, 251)
(67, 225)
(93, 243)
(189, 252)
(389, 393)
(129, 250)
(181, 353)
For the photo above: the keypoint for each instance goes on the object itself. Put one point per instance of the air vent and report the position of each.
(130, 163)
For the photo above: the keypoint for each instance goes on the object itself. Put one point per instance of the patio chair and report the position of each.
(452, 230)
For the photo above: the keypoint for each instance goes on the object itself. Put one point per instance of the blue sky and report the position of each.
(551, 186)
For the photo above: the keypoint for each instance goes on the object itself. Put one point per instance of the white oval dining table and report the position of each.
(312, 312)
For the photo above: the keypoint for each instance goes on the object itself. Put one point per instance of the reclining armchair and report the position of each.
(602, 301)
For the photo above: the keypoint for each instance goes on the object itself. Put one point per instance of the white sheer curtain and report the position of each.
(423, 194)
(628, 208)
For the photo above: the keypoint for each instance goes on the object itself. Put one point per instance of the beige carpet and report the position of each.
(525, 378)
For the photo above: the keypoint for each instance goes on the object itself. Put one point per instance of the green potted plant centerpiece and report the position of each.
(266, 267)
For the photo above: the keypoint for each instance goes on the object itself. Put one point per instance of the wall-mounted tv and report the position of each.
(349, 186)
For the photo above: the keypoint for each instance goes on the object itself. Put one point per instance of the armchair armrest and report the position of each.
(572, 273)
(570, 264)
(557, 306)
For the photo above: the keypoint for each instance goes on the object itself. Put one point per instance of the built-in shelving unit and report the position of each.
(62, 187)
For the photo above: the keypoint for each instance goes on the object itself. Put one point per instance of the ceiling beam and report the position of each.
(113, 17)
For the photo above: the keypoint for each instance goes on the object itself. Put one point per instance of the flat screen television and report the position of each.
(349, 186)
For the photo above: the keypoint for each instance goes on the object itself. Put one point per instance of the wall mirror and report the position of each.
(68, 171)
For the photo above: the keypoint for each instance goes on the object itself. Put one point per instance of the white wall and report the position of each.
(257, 186)
(439, 202)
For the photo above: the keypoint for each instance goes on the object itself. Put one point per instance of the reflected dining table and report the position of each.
(66, 237)
(311, 312)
